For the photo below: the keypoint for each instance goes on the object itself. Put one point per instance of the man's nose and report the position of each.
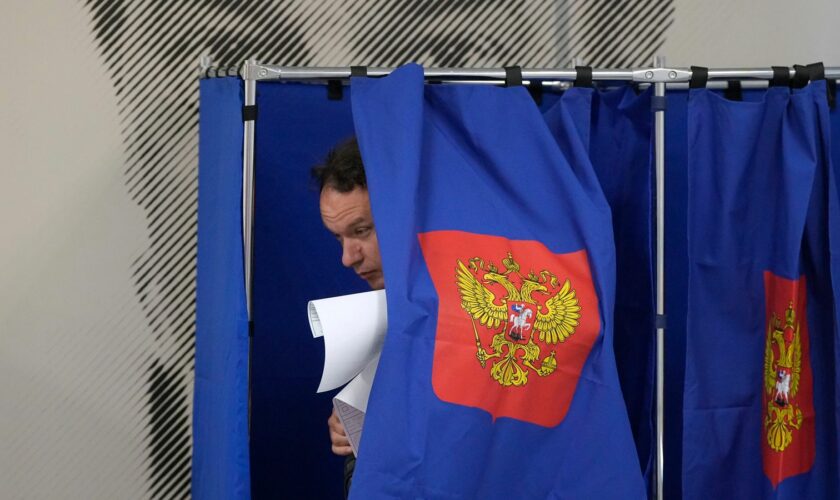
(351, 254)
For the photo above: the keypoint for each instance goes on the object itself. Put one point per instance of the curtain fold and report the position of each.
(295, 260)
(497, 378)
(621, 150)
(759, 407)
(220, 459)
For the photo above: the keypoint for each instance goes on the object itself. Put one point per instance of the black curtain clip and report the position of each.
(699, 77)
(781, 76)
(816, 71)
(513, 76)
(583, 76)
(249, 113)
(733, 90)
(801, 76)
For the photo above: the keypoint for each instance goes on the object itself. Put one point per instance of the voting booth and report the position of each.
(259, 423)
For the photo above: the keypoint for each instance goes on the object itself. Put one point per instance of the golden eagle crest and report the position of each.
(515, 316)
(782, 368)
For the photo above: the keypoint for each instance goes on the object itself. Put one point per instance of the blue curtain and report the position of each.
(615, 130)
(469, 171)
(295, 260)
(220, 464)
(676, 279)
(834, 235)
(760, 406)
(621, 153)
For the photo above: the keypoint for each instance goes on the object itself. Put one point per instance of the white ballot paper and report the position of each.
(353, 327)
(351, 404)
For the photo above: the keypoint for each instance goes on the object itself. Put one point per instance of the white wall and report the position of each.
(753, 33)
(72, 336)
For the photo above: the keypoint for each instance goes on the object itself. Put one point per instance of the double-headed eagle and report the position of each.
(554, 320)
(781, 379)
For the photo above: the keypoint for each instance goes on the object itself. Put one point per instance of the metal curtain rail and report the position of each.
(266, 72)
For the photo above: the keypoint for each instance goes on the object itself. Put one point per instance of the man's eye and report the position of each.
(362, 231)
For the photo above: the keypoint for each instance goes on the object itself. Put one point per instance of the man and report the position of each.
(345, 211)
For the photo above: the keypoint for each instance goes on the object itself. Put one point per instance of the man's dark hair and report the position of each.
(342, 169)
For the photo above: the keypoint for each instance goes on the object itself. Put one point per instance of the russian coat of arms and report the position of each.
(788, 433)
(517, 309)
(782, 369)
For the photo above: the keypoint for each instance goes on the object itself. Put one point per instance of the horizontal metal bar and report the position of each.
(758, 73)
(651, 75)
(219, 72)
(720, 85)
(272, 72)
(742, 74)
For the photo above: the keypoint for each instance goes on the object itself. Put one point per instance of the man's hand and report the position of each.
(340, 443)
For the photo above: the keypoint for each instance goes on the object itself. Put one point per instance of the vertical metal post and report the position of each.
(248, 185)
(659, 155)
(248, 209)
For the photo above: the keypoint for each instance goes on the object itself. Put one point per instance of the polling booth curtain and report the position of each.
(220, 461)
(497, 377)
(834, 236)
(676, 279)
(295, 260)
(614, 126)
(621, 152)
(760, 406)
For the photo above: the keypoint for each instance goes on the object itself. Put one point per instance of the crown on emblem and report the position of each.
(790, 315)
(510, 264)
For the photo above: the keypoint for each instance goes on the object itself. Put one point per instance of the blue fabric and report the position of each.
(758, 202)
(832, 183)
(614, 127)
(481, 160)
(676, 283)
(821, 247)
(220, 465)
(621, 153)
(295, 260)
(676, 276)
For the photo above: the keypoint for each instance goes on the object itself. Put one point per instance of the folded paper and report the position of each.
(353, 328)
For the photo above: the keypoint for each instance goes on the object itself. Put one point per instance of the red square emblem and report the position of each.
(516, 323)
(788, 430)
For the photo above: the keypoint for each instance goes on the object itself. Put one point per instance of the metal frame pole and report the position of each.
(248, 212)
(672, 76)
(274, 72)
(659, 155)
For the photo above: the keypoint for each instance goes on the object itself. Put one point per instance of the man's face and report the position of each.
(348, 217)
